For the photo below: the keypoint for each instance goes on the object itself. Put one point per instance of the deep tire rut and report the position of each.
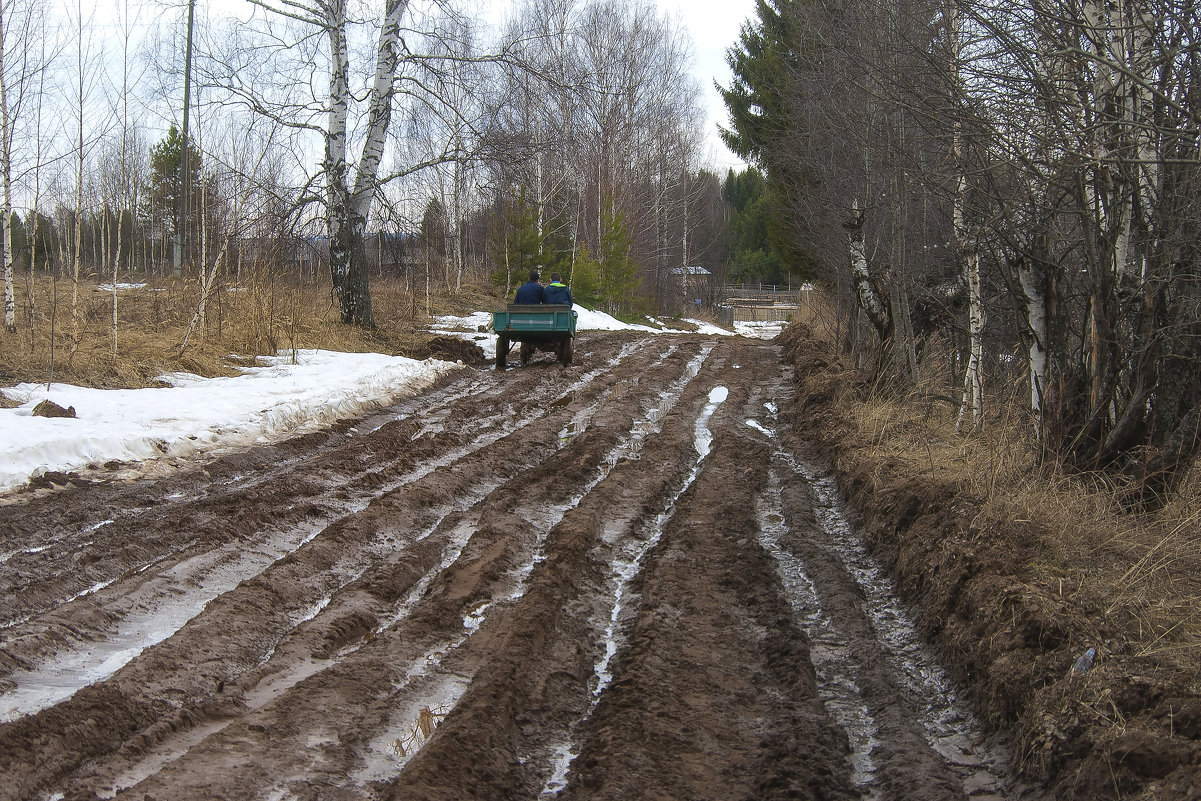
(526, 584)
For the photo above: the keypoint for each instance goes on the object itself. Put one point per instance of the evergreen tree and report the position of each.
(520, 243)
(753, 255)
(585, 280)
(762, 62)
(770, 54)
(165, 191)
(521, 248)
(618, 274)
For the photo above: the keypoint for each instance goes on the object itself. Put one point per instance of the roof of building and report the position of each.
(690, 270)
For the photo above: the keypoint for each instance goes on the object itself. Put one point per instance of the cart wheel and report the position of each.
(527, 353)
(565, 351)
(502, 352)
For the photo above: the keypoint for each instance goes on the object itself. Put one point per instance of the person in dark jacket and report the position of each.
(531, 291)
(556, 291)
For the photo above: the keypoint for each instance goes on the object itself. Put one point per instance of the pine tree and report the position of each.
(618, 273)
(164, 192)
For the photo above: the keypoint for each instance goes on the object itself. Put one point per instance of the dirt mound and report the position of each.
(1129, 727)
(452, 349)
(48, 408)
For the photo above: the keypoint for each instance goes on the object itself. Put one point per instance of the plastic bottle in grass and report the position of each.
(1084, 662)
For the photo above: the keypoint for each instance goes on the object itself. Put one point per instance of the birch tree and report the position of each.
(973, 381)
(314, 43)
(20, 67)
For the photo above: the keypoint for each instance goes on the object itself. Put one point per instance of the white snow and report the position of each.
(265, 404)
(119, 287)
(192, 414)
(710, 329)
(759, 330)
(588, 320)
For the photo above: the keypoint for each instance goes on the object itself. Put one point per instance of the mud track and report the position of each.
(621, 580)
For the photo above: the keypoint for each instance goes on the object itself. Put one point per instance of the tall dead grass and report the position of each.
(1139, 572)
(263, 314)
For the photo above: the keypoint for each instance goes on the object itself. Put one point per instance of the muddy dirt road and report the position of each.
(621, 580)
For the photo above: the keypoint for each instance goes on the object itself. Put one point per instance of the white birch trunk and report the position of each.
(10, 305)
(387, 57)
(869, 298)
(973, 383)
(1036, 321)
(337, 202)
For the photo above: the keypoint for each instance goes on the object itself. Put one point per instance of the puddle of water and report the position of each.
(409, 728)
(161, 607)
(625, 570)
(4, 557)
(832, 660)
(702, 436)
(762, 429)
(949, 727)
(557, 782)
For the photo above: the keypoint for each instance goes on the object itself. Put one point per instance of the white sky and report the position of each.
(714, 26)
(190, 415)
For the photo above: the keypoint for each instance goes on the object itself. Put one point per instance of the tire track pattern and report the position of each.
(532, 584)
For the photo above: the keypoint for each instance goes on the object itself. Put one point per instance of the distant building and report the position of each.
(692, 286)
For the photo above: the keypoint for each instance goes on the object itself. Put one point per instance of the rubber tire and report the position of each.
(527, 353)
(565, 351)
(502, 352)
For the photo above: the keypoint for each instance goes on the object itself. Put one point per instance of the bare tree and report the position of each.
(20, 69)
(315, 42)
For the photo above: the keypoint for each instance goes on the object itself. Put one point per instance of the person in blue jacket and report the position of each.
(556, 291)
(531, 291)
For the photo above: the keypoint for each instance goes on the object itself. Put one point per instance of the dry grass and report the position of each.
(1139, 572)
(263, 314)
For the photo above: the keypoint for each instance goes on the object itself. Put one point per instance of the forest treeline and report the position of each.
(354, 139)
(1018, 180)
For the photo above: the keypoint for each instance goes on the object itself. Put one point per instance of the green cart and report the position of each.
(537, 327)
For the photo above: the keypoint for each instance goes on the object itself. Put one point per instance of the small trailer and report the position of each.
(536, 326)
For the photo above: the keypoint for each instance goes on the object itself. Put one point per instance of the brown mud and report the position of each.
(620, 580)
(1130, 727)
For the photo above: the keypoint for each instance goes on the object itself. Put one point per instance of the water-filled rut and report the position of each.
(623, 579)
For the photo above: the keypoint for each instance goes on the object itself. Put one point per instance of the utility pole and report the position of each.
(180, 239)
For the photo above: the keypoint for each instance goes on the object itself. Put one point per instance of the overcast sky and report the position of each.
(714, 27)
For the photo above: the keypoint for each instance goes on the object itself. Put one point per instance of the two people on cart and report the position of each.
(534, 292)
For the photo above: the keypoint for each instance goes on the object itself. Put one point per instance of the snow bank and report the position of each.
(192, 414)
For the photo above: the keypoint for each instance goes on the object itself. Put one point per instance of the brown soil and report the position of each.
(1130, 727)
(517, 585)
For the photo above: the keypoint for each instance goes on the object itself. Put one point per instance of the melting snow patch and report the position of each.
(704, 438)
(755, 424)
(708, 329)
(760, 330)
(475, 618)
(290, 395)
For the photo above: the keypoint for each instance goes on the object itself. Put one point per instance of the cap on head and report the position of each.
(534, 276)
